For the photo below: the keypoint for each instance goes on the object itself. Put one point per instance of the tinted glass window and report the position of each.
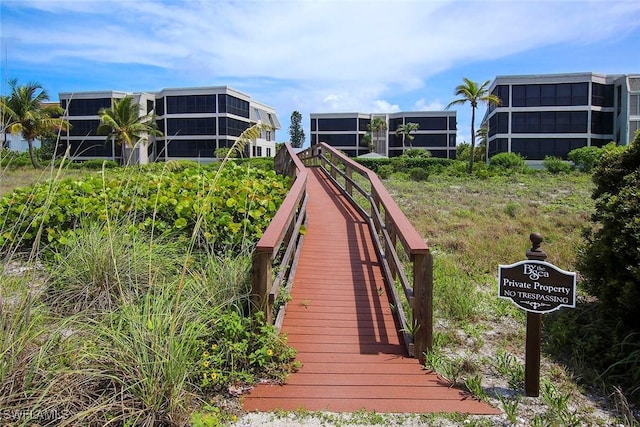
(191, 104)
(88, 107)
(519, 95)
(430, 123)
(538, 148)
(549, 122)
(337, 124)
(602, 122)
(498, 145)
(602, 95)
(90, 149)
(191, 126)
(83, 127)
(338, 140)
(191, 148)
(363, 124)
(499, 123)
(231, 127)
(435, 140)
(160, 107)
(232, 105)
(313, 125)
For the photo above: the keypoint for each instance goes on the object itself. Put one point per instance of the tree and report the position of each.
(474, 94)
(296, 133)
(366, 139)
(483, 135)
(25, 112)
(405, 130)
(124, 124)
(378, 125)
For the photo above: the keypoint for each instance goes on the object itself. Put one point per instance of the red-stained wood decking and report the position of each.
(340, 322)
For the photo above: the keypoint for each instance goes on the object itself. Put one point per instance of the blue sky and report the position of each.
(313, 56)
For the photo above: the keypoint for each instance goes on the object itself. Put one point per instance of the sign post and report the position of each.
(537, 287)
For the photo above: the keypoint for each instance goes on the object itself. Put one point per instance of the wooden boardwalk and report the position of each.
(340, 322)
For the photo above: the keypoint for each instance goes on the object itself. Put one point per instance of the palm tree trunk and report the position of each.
(32, 155)
(473, 140)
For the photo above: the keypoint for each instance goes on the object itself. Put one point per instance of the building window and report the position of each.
(499, 123)
(539, 148)
(87, 107)
(550, 95)
(601, 95)
(601, 122)
(83, 127)
(549, 122)
(634, 105)
(268, 136)
(191, 104)
(338, 140)
(194, 148)
(231, 127)
(232, 105)
(268, 151)
(191, 126)
(430, 140)
(160, 106)
(502, 92)
(430, 123)
(325, 125)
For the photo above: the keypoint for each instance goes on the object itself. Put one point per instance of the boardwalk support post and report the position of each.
(423, 305)
(261, 284)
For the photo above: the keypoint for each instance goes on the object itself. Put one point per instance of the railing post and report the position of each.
(423, 304)
(348, 186)
(334, 172)
(261, 284)
(391, 230)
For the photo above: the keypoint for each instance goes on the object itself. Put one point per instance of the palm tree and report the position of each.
(474, 94)
(124, 124)
(483, 135)
(405, 130)
(24, 111)
(378, 125)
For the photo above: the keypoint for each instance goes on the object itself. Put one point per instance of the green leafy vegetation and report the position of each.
(234, 204)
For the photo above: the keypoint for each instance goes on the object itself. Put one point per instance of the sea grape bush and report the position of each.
(235, 205)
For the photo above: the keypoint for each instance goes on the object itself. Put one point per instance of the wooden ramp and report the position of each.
(340, 322)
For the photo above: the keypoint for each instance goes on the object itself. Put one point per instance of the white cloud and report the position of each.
(423, 105)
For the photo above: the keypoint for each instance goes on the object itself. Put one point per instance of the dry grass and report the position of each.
(22, 177)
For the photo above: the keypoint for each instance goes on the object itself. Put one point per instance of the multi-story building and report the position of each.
(552, 114)
(195, 122)
(436, 132)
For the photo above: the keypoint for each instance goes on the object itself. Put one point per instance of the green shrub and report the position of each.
(373, 164)
(234, 207)
(221, 153)
(417, 152)
(98, 164)
(585, 158)
(555, 165)
(239, 350)
(508, 161)
(418, 174)
(385, 171)
(610, 260)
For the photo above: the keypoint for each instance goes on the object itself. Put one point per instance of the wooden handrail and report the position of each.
(385, 231)
(284, 229)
